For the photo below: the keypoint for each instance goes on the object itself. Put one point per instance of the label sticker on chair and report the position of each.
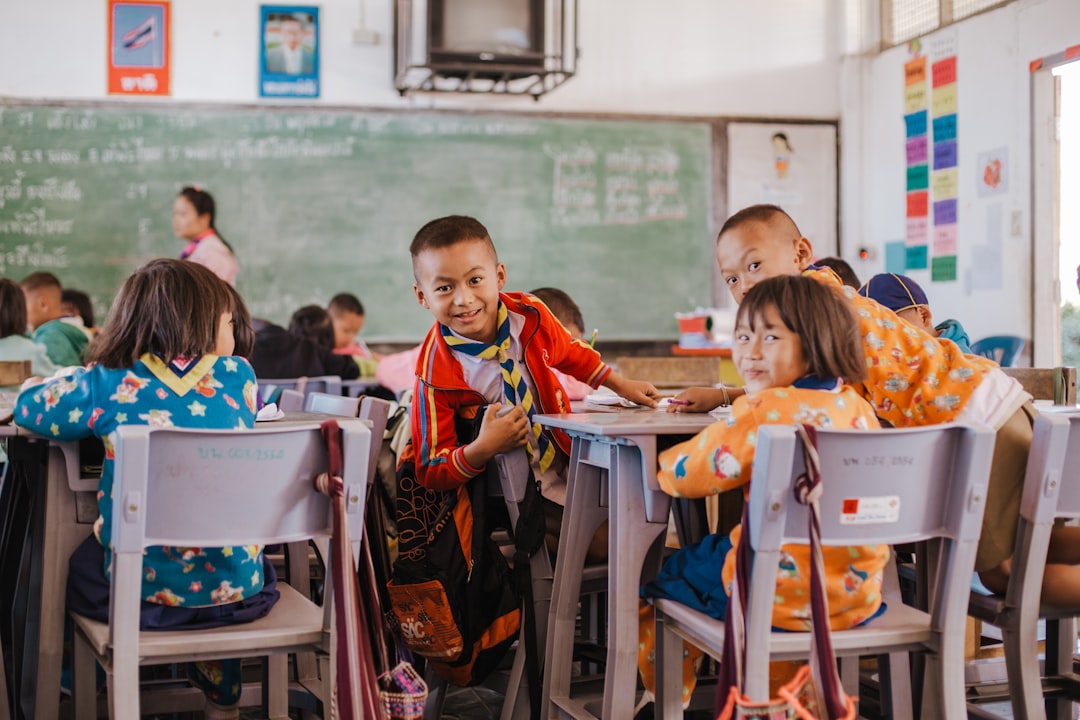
(870, 510)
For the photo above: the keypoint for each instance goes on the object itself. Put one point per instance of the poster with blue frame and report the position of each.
(289, 59)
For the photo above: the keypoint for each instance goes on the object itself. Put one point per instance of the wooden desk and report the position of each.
(612, 464)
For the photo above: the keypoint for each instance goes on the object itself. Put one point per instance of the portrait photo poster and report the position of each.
(289, 51)
(138, 47)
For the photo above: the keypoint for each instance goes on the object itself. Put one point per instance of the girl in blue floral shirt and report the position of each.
(164, 359)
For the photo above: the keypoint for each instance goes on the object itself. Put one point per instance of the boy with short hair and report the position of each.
(914, 379)
(63, 342)
(347, 313)
(481, 333)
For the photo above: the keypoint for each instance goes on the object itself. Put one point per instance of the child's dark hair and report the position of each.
(313, 322)
(345, 303)
(562, 306)
(243, 328)
(826, 325)
(447, 231)
(40, 279)
(81, 302)
(842, 269)
(170, 308)
(203, 202)
(12, 309)
(763, 213)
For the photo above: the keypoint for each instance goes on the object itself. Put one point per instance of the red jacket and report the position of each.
(441, 392)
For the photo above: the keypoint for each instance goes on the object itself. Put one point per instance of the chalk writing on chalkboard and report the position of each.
(319, 202)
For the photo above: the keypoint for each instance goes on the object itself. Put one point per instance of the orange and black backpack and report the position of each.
(458, 604)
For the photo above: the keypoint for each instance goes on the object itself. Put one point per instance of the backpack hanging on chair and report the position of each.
(451, 589)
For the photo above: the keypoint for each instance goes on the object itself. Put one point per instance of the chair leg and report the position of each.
(123, 687)
(669, 668)
(1022, 667)
(898, 691)
(276, 687)
(83, 680)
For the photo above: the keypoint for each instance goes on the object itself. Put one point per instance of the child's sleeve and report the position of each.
(575, 358)
(718, 458)
(440, 460)
(60, 408)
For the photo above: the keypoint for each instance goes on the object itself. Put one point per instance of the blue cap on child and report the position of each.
(896, 292)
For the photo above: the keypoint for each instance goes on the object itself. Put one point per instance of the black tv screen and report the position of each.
(486, 33)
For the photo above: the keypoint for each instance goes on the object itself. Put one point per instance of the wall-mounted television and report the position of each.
(484, 35)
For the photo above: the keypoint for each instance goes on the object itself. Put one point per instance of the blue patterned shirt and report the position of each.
(208, 392)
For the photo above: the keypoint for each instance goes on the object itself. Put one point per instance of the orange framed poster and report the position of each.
(138, 47)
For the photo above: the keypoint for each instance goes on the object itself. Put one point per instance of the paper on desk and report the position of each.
(269, 412)
(609, 399)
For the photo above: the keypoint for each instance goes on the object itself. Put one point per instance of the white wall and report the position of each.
(690, 57)
(993, 50)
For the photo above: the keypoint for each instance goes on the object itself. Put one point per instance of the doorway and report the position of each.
(1069, 223)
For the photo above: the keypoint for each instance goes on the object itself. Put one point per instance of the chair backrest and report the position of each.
(1038, 506)
(377, 412)
(1002, 349)
(317, 383)
(1057, 384)
(879, 487)
(13, 372)
(1069, 497)
(290, 400)
(319, 402)
(183, 486)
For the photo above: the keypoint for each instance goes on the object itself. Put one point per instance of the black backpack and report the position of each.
(452, 591)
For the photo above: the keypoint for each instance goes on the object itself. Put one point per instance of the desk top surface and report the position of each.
(630, 422)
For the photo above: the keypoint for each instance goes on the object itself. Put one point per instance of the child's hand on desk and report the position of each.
(639, 391)
(697, 399)
(503, 428)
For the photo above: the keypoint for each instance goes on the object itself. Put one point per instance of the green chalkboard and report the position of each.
(616, 212)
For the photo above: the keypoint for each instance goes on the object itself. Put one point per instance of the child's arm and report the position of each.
(59, 408)
(639, 391)
(443, 464)
(703, 399)
(718, 458)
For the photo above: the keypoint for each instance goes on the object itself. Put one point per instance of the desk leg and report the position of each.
(634, 557)
(582, 517)
(63, 536)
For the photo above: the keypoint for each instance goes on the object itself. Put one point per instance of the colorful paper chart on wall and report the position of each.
(790, 165)
(289, 57)
(138, 47)
(932, 187)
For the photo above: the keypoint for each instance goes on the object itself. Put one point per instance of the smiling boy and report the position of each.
(480, 336)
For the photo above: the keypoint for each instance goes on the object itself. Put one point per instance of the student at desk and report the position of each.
(797, 346)
(165, 358)
(14, 344)
(488, 348)
(914, 379)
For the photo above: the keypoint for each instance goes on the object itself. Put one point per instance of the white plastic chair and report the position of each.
(317, 383)
(936, 475)
(183, 487)
(1055, 451)
(342, 405)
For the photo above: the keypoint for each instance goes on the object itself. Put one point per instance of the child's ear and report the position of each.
(927, 316)
(804, 252)
(500, 274)
(420, 296)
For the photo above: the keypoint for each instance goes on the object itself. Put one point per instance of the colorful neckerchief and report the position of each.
(515, 388)
(190, 247)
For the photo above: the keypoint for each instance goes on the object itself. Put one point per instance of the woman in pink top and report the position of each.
(193, 220)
